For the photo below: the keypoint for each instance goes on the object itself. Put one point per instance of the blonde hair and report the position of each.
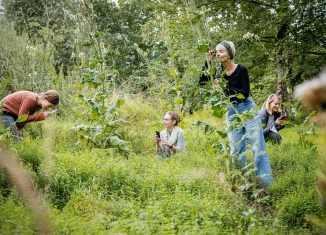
(266, 105)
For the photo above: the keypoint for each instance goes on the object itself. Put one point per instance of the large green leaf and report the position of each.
(240, 96)
(22, 118)
(202, 48)
(205, 126)
(111, 108)
(115, 141)
(219, 112)
(116, 122)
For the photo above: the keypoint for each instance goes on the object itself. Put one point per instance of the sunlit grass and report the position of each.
(195, 192)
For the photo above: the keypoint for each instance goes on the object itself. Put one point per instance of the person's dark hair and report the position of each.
(52, 96)
(174, 116)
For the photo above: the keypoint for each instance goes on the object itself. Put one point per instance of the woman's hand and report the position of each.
(280, 121)
(165, 142)
(47, 114)
(211, 54)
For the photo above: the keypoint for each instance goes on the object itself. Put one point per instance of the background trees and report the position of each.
(151, 43)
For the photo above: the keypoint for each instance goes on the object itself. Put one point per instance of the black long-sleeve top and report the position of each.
(237, 82)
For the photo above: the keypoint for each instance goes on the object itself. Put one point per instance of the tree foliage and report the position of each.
(280, 41)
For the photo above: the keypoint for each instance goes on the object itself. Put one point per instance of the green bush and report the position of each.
(15, 217)
(23, 66)
(293, 171)
(293, 192)
(295, 207)
(194, 193)
(292, 182)
(5, 186)
(70, 172)
(30, 153)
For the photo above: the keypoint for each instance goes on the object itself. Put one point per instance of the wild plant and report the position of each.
(307, 130)
(100, 111)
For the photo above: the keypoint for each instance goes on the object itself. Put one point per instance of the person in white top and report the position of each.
(171, 139)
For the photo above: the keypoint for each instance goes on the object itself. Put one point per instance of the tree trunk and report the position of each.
(281, 53)
(281, 72)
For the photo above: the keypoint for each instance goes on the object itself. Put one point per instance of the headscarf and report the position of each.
(228, 49)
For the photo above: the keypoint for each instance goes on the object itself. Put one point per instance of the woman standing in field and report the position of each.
(26, 103)
(237, 89)
(272, 119)
(171, 139)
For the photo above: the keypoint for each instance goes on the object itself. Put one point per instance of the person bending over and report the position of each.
(272, 118)
(26, 103)
(171, 139)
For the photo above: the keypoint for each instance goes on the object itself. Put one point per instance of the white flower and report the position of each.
(248, 35)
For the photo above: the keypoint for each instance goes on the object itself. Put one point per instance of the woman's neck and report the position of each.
(228, 65)
(39, 100)
(170, 129)
(270, 111)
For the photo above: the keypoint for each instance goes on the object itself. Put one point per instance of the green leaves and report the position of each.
(240, 96)
(22, 118)
(173, 72)
(218, 112)
(117, 142)
(178, 100)
(202, 47)
(104, 133)
(101, 130)
(112, 108)
(207, 128)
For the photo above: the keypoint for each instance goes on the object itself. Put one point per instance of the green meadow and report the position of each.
(97, 191)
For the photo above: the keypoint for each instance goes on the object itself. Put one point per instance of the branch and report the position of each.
(268, 39)
(316, 53)
(261, 3)
(207, 4)
(249, 1)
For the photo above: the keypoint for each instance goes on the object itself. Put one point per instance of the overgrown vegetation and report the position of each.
(118, 66)
(91, 191)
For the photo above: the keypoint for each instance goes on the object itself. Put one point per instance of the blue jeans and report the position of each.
(248, 130)
(9, 123)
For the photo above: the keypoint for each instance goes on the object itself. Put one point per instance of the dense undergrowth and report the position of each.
(96, 191)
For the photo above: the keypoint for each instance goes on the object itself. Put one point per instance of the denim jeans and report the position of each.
(9, 123)
(248, 131)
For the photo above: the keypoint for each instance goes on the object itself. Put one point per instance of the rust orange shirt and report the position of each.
(23, 102)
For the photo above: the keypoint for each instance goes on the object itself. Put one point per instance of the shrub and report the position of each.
(70, 172)
(30, 153)
(16, 218)
(295, 207)
(5, 186)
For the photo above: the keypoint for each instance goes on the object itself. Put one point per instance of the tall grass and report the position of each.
(94, 192)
